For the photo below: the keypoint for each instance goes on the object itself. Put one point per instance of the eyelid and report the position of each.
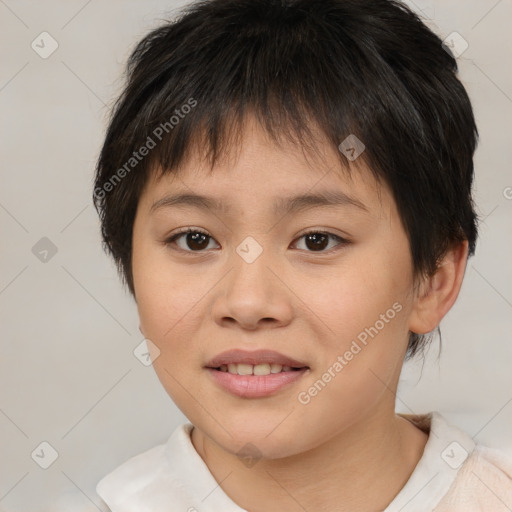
(324, 231)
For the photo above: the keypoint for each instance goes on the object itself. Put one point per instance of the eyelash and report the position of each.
(341, 241)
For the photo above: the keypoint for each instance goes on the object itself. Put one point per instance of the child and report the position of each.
(285, 186)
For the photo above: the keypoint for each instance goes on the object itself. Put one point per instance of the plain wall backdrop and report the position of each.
(68, 374)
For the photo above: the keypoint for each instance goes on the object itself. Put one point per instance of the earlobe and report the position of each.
(437, 293)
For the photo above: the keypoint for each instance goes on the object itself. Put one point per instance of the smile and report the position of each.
(257, 369)
(255, 374)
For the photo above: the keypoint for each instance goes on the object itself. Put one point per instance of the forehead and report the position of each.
(283, 175)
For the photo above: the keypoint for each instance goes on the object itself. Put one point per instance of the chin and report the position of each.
(254, 439)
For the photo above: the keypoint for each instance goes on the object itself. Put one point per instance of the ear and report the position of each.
(437, 293)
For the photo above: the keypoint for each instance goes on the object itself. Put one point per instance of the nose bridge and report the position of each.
(252, 291)
(250, 272)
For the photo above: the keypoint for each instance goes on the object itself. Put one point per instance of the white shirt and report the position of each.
(453, 475)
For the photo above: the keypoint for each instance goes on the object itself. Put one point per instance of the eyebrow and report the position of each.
(282, 205)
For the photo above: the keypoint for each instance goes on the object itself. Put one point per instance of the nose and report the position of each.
(254, 295)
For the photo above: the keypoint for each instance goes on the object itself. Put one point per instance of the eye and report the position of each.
(195, 240)
(317, 241)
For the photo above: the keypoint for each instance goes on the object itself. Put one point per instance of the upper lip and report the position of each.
(253, 357)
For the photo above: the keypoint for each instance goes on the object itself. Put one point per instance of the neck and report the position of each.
(361, 468)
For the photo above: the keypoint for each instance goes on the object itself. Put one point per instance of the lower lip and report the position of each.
(255, 386)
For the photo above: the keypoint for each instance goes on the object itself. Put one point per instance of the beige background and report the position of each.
(68, 375)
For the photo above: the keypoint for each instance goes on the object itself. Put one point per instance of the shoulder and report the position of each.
(484, 482)
(454, 473)
(168, 475)
(142, 477)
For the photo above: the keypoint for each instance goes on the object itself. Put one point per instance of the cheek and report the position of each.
(164, 293)
(364, 308)
(365, 290)
(168, 304)
(362, 350)
(168, 301)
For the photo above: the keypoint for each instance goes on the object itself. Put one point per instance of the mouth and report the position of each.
(256, 369)
(255, 374)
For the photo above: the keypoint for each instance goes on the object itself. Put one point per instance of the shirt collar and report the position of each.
(445, 452)
(175, 473)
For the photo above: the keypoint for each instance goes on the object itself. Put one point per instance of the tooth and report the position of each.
(262, 369)
(232, 368)
(223, 367)
(287, 368)
(275, 368)
(244, 369)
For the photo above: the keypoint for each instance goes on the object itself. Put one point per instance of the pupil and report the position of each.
(317, 244)
(197, 238)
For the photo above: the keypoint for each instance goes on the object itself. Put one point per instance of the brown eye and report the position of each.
(318, 241)
(192, 240)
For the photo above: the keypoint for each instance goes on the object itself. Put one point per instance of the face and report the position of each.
(279, 322)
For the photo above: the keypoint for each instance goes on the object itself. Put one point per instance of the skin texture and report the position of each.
(306, 304)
